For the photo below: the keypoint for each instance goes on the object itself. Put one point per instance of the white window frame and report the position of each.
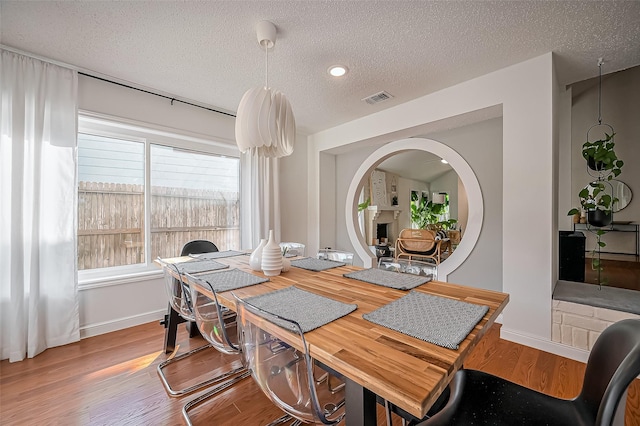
(115, 127)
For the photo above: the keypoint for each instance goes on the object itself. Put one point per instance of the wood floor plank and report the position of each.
(111, 380)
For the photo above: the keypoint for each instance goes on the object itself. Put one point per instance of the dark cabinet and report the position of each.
(572, 247)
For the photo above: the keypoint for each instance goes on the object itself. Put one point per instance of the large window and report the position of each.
(142, 195)
(193, 197)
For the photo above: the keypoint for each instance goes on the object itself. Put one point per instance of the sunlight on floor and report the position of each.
(130, 366)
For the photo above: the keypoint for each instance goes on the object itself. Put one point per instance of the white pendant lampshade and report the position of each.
(264, 121)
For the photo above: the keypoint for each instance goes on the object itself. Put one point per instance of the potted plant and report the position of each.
(598, 204)
(601, 157)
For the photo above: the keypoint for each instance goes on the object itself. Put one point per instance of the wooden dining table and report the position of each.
(374, 360)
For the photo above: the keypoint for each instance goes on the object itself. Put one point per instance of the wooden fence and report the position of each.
(111, 222)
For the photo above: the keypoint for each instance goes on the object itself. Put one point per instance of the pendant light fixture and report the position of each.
(264, 121)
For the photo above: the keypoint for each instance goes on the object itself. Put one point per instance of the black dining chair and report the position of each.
(480, 398)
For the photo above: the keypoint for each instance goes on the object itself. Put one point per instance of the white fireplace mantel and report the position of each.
(381, 214)
(375, 211)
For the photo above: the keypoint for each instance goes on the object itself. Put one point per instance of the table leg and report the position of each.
(360, 405)
(171, 321)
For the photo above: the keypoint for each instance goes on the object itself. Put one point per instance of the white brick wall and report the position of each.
(580, 325)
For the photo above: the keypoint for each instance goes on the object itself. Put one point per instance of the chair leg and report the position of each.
(337, 388)
(199, 400)
(179, 392)
(327, 377)
(281, 420)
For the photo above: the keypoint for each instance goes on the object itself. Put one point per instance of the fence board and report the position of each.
(111, 222)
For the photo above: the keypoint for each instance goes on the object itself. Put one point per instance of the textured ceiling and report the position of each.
(207, 50)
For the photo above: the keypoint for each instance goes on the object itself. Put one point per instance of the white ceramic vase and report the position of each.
(255, 260)
(271, 257)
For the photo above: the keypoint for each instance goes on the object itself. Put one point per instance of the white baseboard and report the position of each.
(120, 323)
(545, 345)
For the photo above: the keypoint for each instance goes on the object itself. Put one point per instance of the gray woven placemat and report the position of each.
(307, 309)
(218, 254)
(438, 320)
(231, 280)
(391, 279)
(317, 265)
(197, 265)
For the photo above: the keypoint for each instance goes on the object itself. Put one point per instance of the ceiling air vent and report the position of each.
(377, 98)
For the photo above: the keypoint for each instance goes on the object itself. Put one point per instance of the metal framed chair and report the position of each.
(484, 399)
(180, 301)
(408, 266)
(337, 255)
(284, 372)
(218, 325)
(173, 318)
(181, 310)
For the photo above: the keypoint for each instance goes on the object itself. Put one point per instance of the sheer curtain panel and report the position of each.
(38, 278)
(259, 198)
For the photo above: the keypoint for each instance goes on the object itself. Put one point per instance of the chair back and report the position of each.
(198, 247)
(293, 249)
(283, 371)
(614, 362)
(176, 290)
(216, 323)
(405, 266)
(417, 240)
(337, 255)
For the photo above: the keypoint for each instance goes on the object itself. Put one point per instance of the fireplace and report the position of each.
(381, 223)
(381, 231)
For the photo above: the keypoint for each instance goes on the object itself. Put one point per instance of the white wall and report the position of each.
(293, 193)
(113, 304)
(481, 145)
(525, 92)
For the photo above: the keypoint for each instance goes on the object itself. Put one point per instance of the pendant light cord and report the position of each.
(266, 66)
(600, 91)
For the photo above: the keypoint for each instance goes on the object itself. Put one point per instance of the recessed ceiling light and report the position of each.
(443, 161)
(338, 70)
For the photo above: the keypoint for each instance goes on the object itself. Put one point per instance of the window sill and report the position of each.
(93, 279)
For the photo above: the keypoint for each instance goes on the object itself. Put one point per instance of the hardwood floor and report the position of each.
(111, 380)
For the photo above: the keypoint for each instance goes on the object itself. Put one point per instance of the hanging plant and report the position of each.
(595, 200)
(601, 156)
(595, 197)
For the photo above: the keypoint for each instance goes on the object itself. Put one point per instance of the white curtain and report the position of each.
(260, 198)
(38, 198)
